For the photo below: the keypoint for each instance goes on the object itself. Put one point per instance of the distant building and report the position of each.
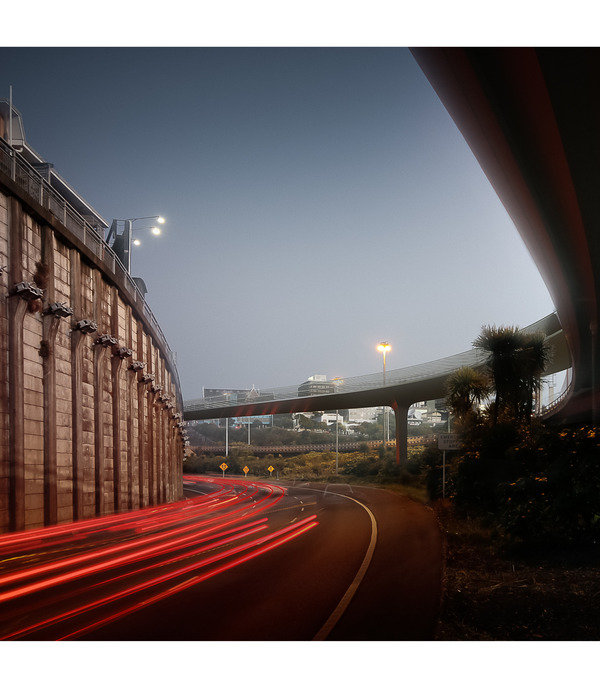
(414, 417)
(362, 415)
(317, 384)
(233, 395)
(332, 419)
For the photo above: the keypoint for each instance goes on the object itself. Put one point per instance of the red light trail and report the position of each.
(68, 580)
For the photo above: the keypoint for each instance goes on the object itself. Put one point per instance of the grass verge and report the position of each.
(490, 595)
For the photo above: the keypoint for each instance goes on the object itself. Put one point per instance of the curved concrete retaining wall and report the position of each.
(90, 403)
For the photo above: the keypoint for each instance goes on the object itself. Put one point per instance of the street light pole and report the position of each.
(227, 395)
(336, 382)
(384, 347)
(121, 242)
(337, 445)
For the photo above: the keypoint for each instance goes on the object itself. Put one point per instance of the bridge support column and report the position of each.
(401, 413)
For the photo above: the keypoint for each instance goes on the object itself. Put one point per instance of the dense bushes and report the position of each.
(556, 497)
(543, 489)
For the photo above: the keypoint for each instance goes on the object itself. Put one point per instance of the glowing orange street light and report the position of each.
(384, 348)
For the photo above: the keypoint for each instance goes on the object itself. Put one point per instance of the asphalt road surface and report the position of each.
(236, 561)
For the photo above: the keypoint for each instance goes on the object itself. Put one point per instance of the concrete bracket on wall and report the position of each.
(106, 341)
(165, 399)
(59, 309)
(27, 291)
(86, 326)
(122, 352)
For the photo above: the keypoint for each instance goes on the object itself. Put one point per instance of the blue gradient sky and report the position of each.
(318, 201)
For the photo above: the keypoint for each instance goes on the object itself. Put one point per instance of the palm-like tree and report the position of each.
(465, 389)
(533, 360)
(516, 361)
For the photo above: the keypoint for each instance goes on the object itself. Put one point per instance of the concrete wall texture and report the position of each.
(90, 413)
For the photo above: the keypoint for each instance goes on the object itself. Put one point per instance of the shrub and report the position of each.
(361, 465)
(556, 499)
(420, 460)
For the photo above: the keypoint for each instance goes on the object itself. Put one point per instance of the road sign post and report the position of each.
(447, 442)
(246, 470)
(223, 468)
(271, 469)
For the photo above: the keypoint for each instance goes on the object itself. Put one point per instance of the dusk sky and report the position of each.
(318, 201)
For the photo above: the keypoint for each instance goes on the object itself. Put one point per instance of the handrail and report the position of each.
(551, 407)
(20, 171)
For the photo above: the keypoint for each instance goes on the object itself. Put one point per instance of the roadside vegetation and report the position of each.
(534, 485)
(370, 467)
(522, 517)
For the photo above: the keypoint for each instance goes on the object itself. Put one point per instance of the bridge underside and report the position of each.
(531, 119)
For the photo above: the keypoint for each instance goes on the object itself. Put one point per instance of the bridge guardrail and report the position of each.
(550, 408)
(351, 384)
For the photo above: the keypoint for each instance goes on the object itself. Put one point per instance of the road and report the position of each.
(236, 561)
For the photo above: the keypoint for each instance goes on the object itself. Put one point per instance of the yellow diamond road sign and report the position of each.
(246, 470)
(271, 469)
(224, 466)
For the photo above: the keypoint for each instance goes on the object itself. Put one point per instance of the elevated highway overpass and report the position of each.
(530, 117)
(403, 387)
